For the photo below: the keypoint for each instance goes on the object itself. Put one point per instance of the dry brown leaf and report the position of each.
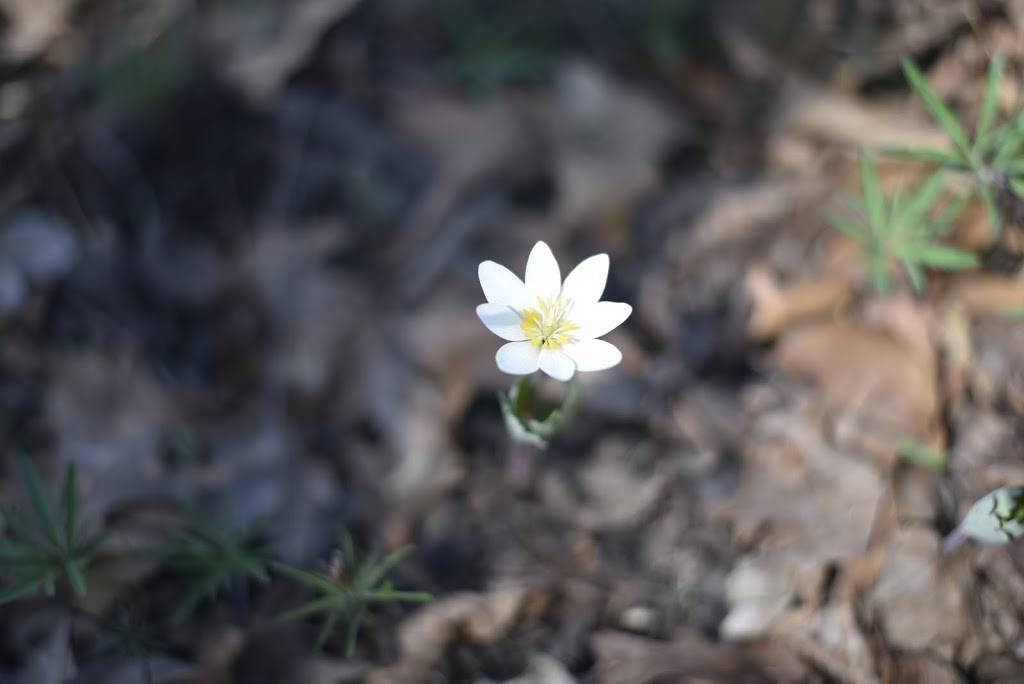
(986, 295)
(879, 383)
(831, 639)
(852, 123)
(922, 669)
(919, 608)
(776, 308)
(627, 659)
(805, 500)
(479, 617)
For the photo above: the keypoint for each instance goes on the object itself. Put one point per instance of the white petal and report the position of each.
(518, 358)
(585, 285)
(556, 364)
(502, 321)
(502, 286)
(600, 319)
(593, 355)
(543, 279)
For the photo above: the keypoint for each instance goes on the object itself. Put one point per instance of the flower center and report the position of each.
(546, 324)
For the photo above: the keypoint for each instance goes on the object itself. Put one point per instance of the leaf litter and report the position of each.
(285, 338)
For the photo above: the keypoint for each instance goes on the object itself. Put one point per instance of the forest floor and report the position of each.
(238, 271)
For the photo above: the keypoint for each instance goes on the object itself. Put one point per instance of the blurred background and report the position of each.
(238, 269)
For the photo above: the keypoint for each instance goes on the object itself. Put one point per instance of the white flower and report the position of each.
(550, 324)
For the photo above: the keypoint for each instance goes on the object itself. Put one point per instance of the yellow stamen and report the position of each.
(546, 324)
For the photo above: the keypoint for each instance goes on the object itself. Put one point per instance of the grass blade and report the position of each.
(70, 502)
(845, 226)
(76, 578)
(1009, 147)
(916, 274)
(336, 602)
(352, 631)
(948, 159)
(34, 486)
(308, 578)
(1017, 187)
(943, 257)
(938, 109)
(995, 219)
(391, 595)
(18, 528)
(990, 101)
(879, 274)
(923, 199)
(26, 586)
(330, 620)
(873, 201)
(347, 546)
(372, 573)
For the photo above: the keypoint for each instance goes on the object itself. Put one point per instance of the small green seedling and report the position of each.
(902, 227)
(214, 558)
(913, 451)
(44, 545)
(993, 157)
(348, 588)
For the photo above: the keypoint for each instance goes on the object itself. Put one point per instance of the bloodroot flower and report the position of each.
(550, 324)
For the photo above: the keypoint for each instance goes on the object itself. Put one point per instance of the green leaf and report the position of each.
(375, 572)
(347, 546)
(914, 452)
(990, 101)
(872, 194)
(76, 578)
(335, 601)
(942, 257)
(1009, 147)
(941, 223)
(390, 595)
(879, 274)
(70, 502)
(18, 528)
(948, 159)
(1017, 187)
(995, 219)
(1013, 168)
(844, 225)
(923, 199)
(325, 630)
(32, 483)
(25, 586)
(310, 579)
(916, 274)
(938, 109)
(353, 631)
(196, 594)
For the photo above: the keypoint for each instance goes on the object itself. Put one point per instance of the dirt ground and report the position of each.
(238, 269)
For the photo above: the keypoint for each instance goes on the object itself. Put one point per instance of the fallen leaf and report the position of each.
(776, 308)
(878, 382)
(424, 636)
(627, 659)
